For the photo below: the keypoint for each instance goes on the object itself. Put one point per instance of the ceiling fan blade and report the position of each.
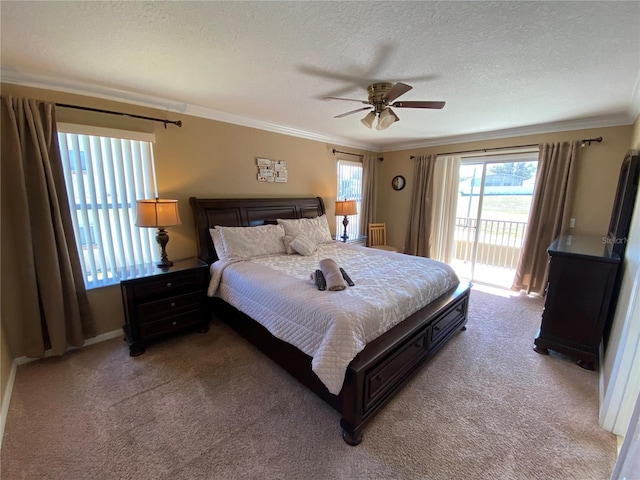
(318, 72)
(397, 90)
(352, 111)
(437, 105)
(347, 99)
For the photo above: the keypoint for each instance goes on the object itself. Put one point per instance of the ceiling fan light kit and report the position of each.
(380, 97)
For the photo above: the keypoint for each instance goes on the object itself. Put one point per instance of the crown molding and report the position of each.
(204, 112)
(595, 122)
(10, 75)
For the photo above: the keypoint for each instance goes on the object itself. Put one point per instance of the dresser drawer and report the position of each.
(170, 306)
(385, 376)
(443, 326)
(169, 285)
(171, 324)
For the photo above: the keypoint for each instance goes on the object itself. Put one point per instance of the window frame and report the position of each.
(353, 228)
(117, 168)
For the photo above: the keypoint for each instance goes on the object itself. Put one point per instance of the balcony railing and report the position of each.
(499, 241)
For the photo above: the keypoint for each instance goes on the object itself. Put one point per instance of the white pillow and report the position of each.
(287, 245)
(248, 242)
(315, 229)
(218, 243)
(303, 245)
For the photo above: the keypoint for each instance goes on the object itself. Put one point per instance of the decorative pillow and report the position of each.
(315, 229)
(247, 242)
(303, 245)
(287, 244)
(218, 243)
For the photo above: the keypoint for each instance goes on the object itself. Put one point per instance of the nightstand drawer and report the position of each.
(171, 324)
(170, 306)
(167, 286)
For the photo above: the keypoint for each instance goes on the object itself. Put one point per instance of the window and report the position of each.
(350, 188)
(105, 172)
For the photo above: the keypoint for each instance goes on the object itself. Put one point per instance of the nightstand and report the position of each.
(160, 302)
(359, 240)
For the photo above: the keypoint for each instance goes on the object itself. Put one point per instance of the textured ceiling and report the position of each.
(502, 67)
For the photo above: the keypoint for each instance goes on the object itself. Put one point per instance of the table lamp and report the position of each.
(158, 213)
(346, 207)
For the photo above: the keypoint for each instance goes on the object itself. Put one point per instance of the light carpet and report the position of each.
(210, 406)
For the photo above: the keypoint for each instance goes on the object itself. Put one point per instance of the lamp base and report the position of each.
(344, 236)
(163, 238)
(165, 264)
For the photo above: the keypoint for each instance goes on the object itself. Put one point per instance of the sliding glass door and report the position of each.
(494, 199)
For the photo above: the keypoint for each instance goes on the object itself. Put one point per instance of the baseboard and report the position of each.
(6, 399)
(104, 337)
(89, 341)
(23, 360)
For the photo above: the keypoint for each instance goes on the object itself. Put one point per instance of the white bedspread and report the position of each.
(331, 327)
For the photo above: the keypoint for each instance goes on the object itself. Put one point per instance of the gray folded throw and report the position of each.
(332, 274)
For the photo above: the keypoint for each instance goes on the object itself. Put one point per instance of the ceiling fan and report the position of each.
(381, 96)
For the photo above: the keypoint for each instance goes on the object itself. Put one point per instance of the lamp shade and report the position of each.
(386, 119)
(367, 121)
(346, 207)
(157, 213)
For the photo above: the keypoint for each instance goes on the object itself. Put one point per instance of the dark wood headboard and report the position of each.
(245, 212)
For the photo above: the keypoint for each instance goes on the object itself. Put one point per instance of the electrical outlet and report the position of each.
(572, 222)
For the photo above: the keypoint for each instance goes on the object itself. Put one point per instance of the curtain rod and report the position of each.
(354, 154)
(110, 112)
(583, 143)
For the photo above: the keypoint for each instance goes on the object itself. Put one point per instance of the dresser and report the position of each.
(160, 302)
(582, 275)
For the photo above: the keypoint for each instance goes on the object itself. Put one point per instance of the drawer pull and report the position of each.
(379, 378)
(168, 284)
(173, 304)
(174, 323)
(418, 344)
(436, 328)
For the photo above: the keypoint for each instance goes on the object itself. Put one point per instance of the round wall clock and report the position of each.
(398, 182)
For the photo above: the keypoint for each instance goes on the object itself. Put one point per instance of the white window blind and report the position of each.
(105, 175)
(350, 188)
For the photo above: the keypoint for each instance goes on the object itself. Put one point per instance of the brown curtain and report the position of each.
(369, 192)
(49, 302)
(419, 230)
(550, 210)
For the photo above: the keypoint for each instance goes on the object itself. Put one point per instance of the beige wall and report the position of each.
(597, 177)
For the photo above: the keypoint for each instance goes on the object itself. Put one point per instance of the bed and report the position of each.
(382, 367)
